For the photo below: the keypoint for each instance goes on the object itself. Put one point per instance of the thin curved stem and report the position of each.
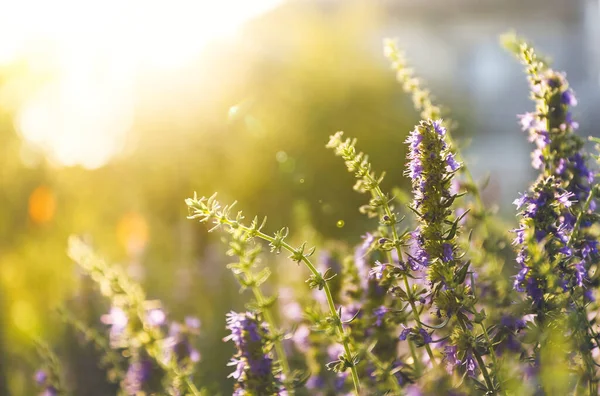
(279, 351)
(209, 209)
(482, 367)
(340, 329)
(379, 364)
(388, 212)
(493, 354)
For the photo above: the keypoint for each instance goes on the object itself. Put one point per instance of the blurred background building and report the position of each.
(112, 112)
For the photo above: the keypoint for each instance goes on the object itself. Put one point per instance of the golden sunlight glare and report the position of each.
(89, 53)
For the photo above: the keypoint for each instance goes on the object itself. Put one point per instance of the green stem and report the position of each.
(279, 351)
(492, 353)
(379, 364)
(413, 352)
(482, 367)
(340, 329)
(411, 301)
(202, 210)
(586, 206)
(191, 386)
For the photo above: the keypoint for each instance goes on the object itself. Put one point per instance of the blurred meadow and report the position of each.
(112, 113)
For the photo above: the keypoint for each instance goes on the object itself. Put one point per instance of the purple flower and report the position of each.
(527, 120)
(415, 168)
(437, 125)
(522, 200)
(340, 380)
(426, 336)
(254, 366)
(564, 198)
(452, 163)
(521, 256)
(537, 159)
(240, 365)
(561, 167)
(570, 122)
(450, 354)
(49, 391)
(137, 375)
(379, 313)
(414, 139)
(40, 377)
(178, 344)
(580, 273)
(589, 295)
(512, 322)
(377, 271)
(589, 247)
(541, 138)
(470, 365)
(568, 98)
(300, 338)
(420, 258)
(405, 332)
(520, 279)
(448, 254)
(118, 320)
(156, 317)
(192, 323)
(315, 382)
(520, 238)
(334, 351)
(413, 390)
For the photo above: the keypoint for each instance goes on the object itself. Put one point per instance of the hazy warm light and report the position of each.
(93, 51)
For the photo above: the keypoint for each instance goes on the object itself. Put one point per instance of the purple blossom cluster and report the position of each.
(255, 371)
(561, 196)
(42, 380)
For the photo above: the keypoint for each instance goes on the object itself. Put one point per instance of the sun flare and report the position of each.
(89, 54)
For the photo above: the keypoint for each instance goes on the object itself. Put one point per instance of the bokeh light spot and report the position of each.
(42, 205)
(281, 157)
(132, 233)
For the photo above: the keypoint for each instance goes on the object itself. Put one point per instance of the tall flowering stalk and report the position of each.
(359, 164)
(423, 102)
(254, 369)
(431, 168)
(556, 245)
(156, 360)
(488, 238)
(242, 246)
(209, 209)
